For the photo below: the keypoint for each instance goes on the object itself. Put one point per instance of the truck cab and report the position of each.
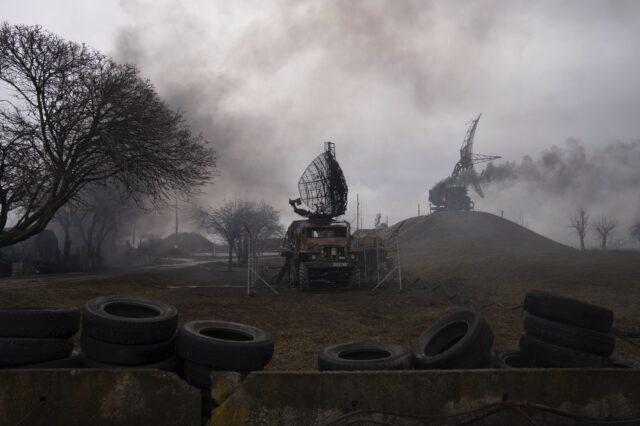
(319, 253)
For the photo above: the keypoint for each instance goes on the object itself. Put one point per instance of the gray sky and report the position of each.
(392, 83)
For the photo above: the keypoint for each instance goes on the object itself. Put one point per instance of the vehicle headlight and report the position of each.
(314, 257)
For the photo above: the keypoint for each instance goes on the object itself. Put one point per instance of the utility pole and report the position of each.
(357, 211)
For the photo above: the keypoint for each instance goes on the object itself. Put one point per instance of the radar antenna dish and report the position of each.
(323, 188)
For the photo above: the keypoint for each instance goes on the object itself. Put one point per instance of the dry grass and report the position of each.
(451, 262)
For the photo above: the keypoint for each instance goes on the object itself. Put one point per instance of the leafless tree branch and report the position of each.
(79, 118)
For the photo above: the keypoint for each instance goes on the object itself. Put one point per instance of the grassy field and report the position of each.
(449, 263)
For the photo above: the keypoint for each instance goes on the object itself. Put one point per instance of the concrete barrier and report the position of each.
(97, 397)
(155, 398)
(503, 397)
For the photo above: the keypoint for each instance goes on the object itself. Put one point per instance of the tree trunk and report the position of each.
(242, 251)
(230, 254)
(581, 242)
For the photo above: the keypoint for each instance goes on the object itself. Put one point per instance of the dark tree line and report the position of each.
(76, 118)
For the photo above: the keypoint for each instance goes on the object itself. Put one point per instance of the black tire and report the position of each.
(355, 356)
(510, 358)
(459, 340)
(545, 354)
(623, 363)
(124, 354)
(355, 278)
(567, 310)
(16, 351)
(129, 320)
(76, 360)
(50, 322)
(303, 277)
(570, 336)
(197, 375)
(225, 345)
(173, 364)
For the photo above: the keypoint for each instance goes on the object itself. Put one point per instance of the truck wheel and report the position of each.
(129, 320)
(303, 277)
(22, 351)
(459, 340)
(225, 346)
(364, 356)
(567, 310)
(570, 336)
(50, 322)
(545, 354)
(510, 359)
(354, 278)
(126, 354)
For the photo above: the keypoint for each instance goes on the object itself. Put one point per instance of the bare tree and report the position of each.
(604, 226)
(262, 220)
(76, 118)
(228, 221)
(223, 221)
(580, 222)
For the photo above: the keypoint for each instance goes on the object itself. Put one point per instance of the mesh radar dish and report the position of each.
(322, 186)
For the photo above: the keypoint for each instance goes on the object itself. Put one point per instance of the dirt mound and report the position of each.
(459, 241)
(472, 234)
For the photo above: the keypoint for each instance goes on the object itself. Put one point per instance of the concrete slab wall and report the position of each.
(508, 397)
(150, 398)
(97, 397)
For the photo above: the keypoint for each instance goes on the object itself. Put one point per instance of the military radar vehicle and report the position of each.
(318, 249)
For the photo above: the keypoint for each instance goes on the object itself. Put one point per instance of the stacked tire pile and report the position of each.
(461, 340)
(39, 337)
(127, 332)
(562, 332)
(207, 346)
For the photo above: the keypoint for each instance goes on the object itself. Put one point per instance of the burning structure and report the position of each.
(451, 193)
(318, 248)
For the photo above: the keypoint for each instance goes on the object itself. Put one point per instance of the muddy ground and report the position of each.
(304, 323)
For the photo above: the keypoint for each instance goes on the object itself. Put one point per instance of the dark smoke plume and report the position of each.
(561, 180)
(572, 170)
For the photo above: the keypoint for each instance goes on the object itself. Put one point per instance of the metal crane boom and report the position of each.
(467, 158)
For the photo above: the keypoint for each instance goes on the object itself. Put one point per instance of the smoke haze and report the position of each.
(393, 84)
